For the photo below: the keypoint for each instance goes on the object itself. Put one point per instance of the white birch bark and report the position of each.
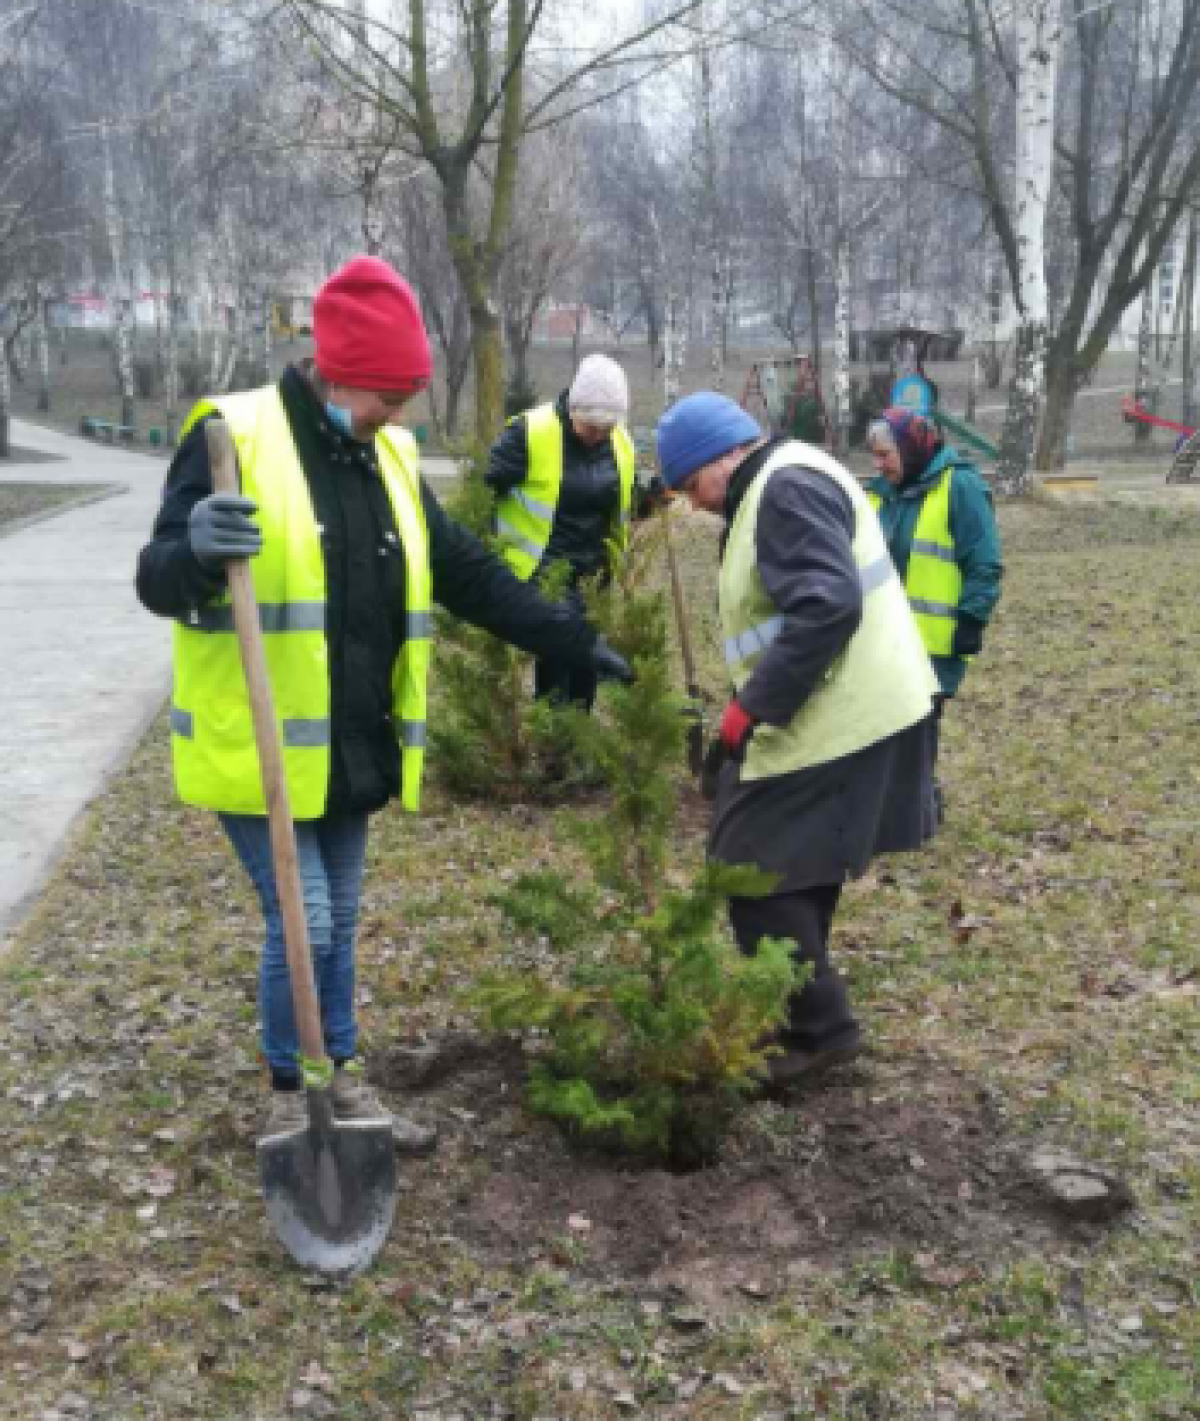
(712, 219)
(5, 398)
(214, 364)
(233, 349)
(1143, 383)
(122, 332)
(1190, 370)
(268, 349)
(841, 255)
(673, 335)
(1039, 36)
(171, 379)
(41, 346)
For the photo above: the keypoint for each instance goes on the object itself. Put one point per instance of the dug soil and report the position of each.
(904, 1154)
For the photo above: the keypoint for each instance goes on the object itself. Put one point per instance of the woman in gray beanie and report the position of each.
(563, 475)
(826, 739)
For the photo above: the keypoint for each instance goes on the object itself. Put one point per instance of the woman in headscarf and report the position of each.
(937, 517)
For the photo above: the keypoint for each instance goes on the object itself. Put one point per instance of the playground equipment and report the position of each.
(1185, 467)
(964, 434)
(917, 392)
(1132, 412)
(784, 395)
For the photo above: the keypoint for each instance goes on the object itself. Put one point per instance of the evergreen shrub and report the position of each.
(647, 1027)
(489, 738)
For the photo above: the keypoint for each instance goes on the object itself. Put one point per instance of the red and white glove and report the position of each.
(735, 728)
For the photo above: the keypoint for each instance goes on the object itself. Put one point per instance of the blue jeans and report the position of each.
(330, 853)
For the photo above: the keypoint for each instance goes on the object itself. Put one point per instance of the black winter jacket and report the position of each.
(364, 571)
(588, 501)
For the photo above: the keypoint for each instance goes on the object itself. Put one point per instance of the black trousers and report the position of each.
(819, 1013)
(939, 799)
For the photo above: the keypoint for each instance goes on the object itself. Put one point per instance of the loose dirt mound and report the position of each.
(900, 1156)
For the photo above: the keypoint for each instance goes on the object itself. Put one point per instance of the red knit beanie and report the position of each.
(367, 329)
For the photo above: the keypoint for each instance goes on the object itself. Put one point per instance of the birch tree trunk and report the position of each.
(1188, 369)
(711, 202)
(841, 341)
(1143, 386)
(214, 364)
(122, 332)
(41, 341)
(267, 339)
(5, 399)
(1039, 36)
(841, 253)
(234, 350)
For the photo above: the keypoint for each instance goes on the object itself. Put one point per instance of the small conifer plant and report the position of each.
(489, 738)
(650, 1029)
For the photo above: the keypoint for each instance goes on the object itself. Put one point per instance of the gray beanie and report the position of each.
(599, 391)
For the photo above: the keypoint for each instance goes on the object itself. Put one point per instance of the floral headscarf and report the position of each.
(916, 438)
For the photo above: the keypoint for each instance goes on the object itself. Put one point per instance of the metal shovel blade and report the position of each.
(330, 1188)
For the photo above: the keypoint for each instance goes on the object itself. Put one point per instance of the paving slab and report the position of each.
(85, 666)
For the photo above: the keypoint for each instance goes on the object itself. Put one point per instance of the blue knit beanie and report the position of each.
(697, 430)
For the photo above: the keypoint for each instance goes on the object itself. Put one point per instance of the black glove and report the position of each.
(714, 760)
(608, 664)
(219, 529)
(968, 636)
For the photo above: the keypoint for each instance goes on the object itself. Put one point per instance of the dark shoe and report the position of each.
(799, 1067)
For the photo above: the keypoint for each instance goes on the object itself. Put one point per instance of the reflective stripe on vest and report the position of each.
(525, 516)
(750, 643)
(215, 759)
(879, 684)
(933, 579)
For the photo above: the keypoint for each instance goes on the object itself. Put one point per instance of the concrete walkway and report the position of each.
(84, 667)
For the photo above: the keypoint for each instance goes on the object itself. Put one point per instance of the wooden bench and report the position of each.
(105, 429)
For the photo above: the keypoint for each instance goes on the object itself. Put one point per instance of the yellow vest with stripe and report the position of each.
(933, 579)
(212, 737)
(879, 684)
(525, 516)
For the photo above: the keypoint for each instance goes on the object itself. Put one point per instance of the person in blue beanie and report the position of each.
(826, 742)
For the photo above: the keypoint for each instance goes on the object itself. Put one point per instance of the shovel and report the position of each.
(330, 1186)
(695, 708)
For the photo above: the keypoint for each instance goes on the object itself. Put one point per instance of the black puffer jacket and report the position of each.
(364, 570)
(589, 499)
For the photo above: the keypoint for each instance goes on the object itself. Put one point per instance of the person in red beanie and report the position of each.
(351, 550)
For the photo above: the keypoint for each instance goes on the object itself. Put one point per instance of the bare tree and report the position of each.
(422, 230)
(543, 247)
(416, 68)
(35, 204)
(1190, 367)
(1039, 35)
(1126, 151)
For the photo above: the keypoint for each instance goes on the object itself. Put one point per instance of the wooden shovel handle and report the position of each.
(223, 460)
(685, 642)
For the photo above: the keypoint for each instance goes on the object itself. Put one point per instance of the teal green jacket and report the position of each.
(976, 540)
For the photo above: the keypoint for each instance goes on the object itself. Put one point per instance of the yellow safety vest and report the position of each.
(212, 736)
(525, 516)
(933, 579)
(882, 681)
